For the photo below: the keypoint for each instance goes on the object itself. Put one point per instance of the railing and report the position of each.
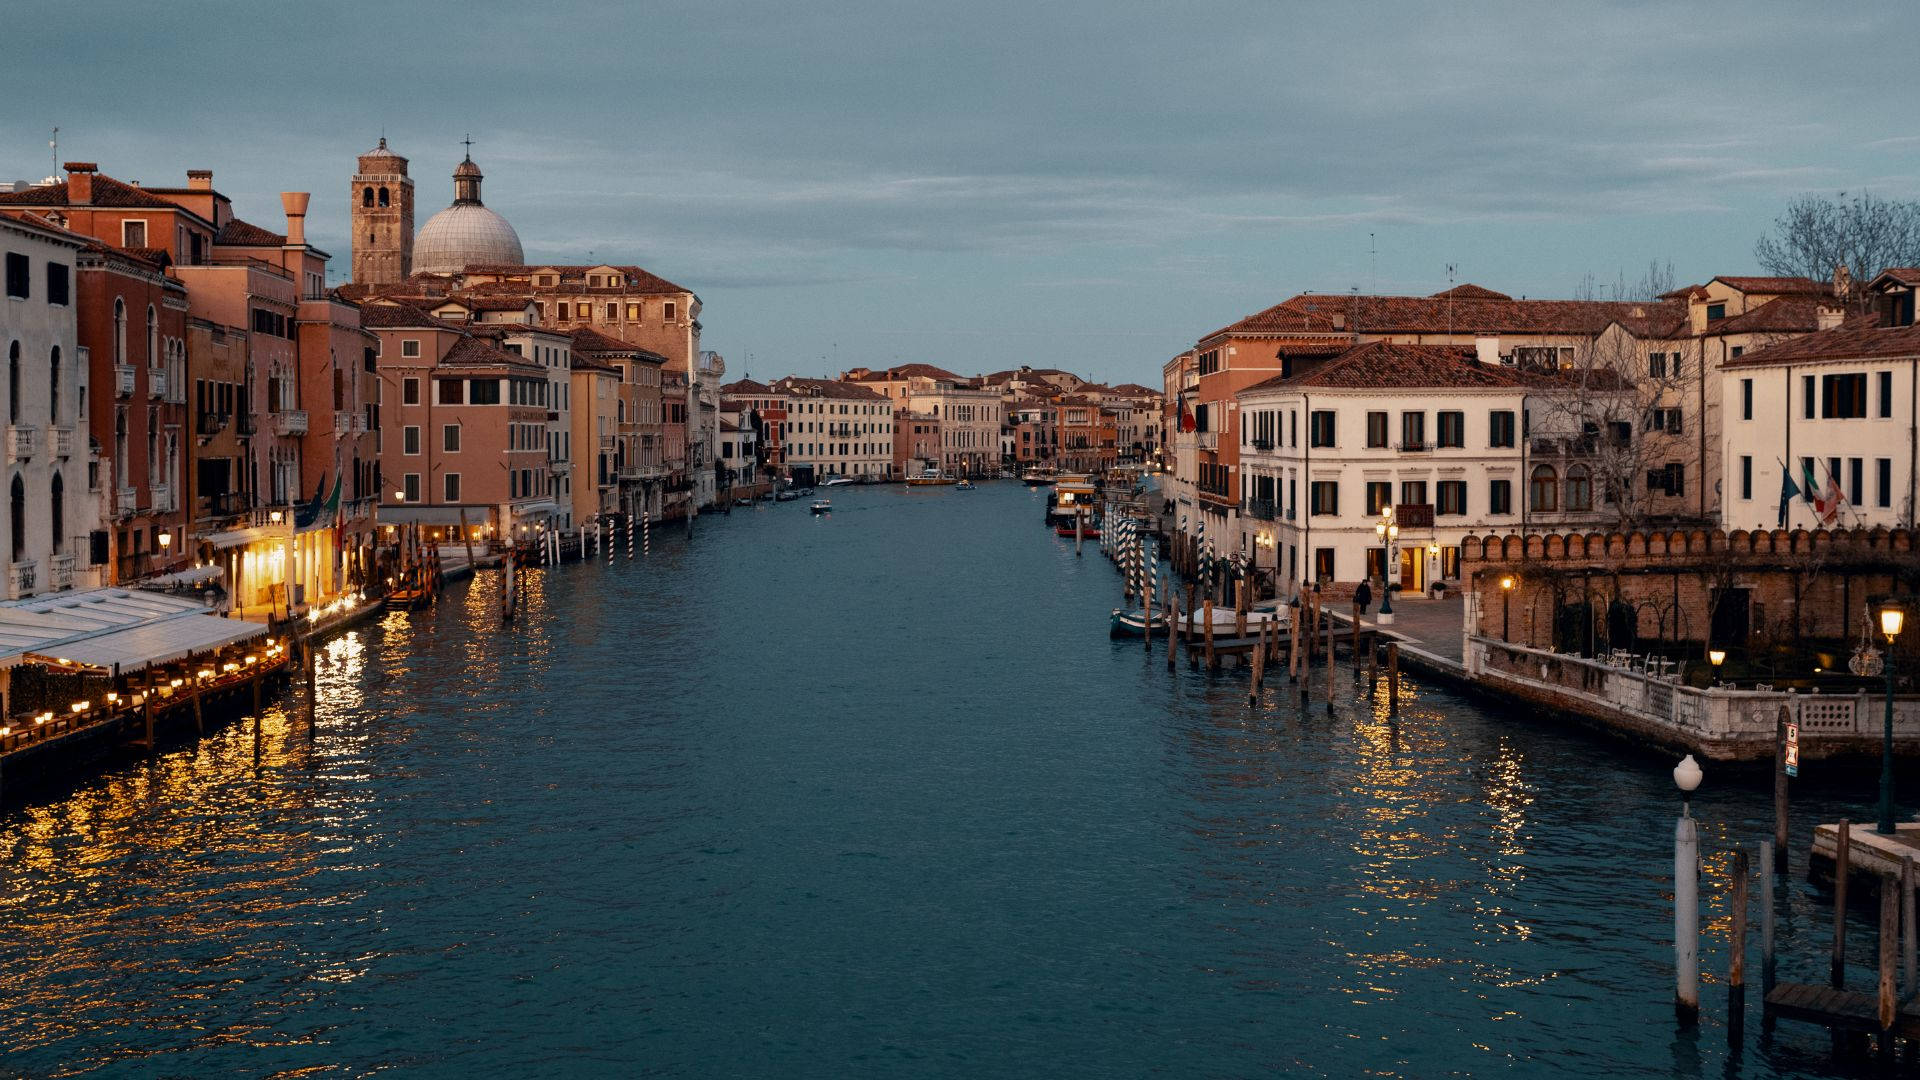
(224, 504)
(348, 423)
(1413, 447)
(1263, 444)
(20, 439)
(126, 500)
(1413, 515)
(1207, 440)
(289, 423)
(162, 498)
(1260, 508)
(210, 423)
(359, 509)
(245, 424)
(60, 572)
(123, 380)
(62, 441)
(262, 517)
(23, 579)
(156, 382)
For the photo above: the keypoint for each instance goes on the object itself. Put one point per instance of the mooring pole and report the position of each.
(1686, 918)
(1737, 955)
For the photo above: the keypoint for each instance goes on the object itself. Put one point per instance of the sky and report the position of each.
(1064, 183)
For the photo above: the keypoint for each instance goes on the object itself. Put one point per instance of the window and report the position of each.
(1376, 429)
(1843, 397)
(386, 199)
(410, 347)
(1544, 489)
(1379, 494)
(1657, 365)
(633, 312)
(1579, 488)
(1320, 429)
(450, 438)
(409, 391)
(1746, 476)
(1323, 497)
(1716, 311)
(410, 439)
(1746, 399)
(18, 274)
(1500, 497)
(1667, 420)
(133, 234)
(1413, 431)
(410, 486)
(1500, 428)
(1452, 429)
(1323, 564)
(451, 487)
(613, 312)
(1886, 392)
(1806, 396)
(1670, 479)
(1450, 498)
(1883, 481)
(57, 292)
(667, 310)
(366, 197)
(449, 392)
(1413, 493)
(13, 383)
(1856, 482)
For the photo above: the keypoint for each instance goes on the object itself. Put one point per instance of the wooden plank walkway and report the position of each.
(1853, 1010)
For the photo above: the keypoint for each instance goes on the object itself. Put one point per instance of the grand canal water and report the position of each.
(869, 795)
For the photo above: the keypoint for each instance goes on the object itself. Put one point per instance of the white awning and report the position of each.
(198, 575)
(153, 643)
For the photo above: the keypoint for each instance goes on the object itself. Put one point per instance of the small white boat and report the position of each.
(964, 485)
(822, 506)
(1132, 624)
(837, 481)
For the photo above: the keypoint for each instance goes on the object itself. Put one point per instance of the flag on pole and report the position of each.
(1788, 489)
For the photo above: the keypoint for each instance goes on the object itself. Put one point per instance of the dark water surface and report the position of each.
(863, 796)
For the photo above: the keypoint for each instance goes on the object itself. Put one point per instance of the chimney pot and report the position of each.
(295, 204)
(80, 182)
(200, 179)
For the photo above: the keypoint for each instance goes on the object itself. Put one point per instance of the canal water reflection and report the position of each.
(863, 795)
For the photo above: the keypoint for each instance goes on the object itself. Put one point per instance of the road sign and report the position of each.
(1793, 749)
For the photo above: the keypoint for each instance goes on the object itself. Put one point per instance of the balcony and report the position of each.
(1413, 515)
(1413, 447)
(1207, 440)
(20, 440)
(1260, 508)
(245, 424)
(126, 500)
(62, 441)
(23, 579)
(290, 423)
(60, 573)
(156, 382)
(347, 423)
(123, 380)
(211, 423)
(1263, 444)
(163, 498)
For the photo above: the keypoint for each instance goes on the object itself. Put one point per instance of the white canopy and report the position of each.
(105, 628)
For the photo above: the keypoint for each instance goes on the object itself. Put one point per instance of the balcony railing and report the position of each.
(1263, 444)
(60, 572)
(211, 423)
(1260, 508)
(162, 498)
(1413, 447)
(1413, 515)
(62, 441)
(156, 382)
(290, 423)
(245, 424)
(1207, 440)
(23, 579)
(20, 440)
(123, 380)
(126, 500)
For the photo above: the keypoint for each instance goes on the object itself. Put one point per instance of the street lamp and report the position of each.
(1388, 532)
(274, 516)
(1892, 618)
(1686, 896)
(1506, 610)
(166, 541)
(1718, 657)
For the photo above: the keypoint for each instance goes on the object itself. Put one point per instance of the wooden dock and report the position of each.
(1848, 1010)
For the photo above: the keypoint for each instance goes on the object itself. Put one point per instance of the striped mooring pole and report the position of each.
(606, 541)
(646, 535)
(629, 536)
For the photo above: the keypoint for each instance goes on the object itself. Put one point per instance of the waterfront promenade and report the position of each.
(813, 831)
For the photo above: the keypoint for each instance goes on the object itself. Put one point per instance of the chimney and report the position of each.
(199, 179)
(295, 204)
(80, 182)
(1827, 318)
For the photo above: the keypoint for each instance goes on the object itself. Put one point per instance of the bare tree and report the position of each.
(1865, 234)
(1657, 280)
(1607, 413)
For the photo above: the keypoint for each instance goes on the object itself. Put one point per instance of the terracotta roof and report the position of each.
(488, 303)
(472, 351)
(1471, 291)
(1780, 315)
(157, 256)
(107, 192)
(237, 233)
(745, 386)
(1857, 339)
(586, 339)
(906, 371)
(1136, 388)
(1317, 313)
(1900, 275)
(1382, 365)
(833, 388)
(637, 278)
(388, 314)
(1780, 285)
(588, 362)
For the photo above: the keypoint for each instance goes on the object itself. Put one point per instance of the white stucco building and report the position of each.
(51, 506)
(836, 428)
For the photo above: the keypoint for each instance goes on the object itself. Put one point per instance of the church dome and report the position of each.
(466, 233)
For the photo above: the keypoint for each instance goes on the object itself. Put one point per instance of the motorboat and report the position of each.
(929, 478)
(1089, 530)
(837, 481)
(964, 485)
(1126, 623)
(822, 506)
(786, 496)
(1036, 478)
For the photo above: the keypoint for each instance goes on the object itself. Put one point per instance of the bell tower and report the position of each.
(382, 214)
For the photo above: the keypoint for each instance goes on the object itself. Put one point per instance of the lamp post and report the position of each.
(1892, 618)
(1433, 562)
(1686, 896)
(1388, 532)
(1718, 657)
(1506, 610)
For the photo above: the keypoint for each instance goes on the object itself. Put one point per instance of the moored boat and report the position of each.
(822, 506)
(1132, 624)
(964, 485)
(1090, 531)
(837, 481)
(930, 478)
(1036, 478)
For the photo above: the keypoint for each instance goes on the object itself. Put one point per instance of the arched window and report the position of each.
(1545, 493)
(370, 240)
(53, 388)
(383, 196)
(119, 331)
(13, 383)
(366, 197)
(59, 500)
(153, 337)
(18, 503)
(1579, 488)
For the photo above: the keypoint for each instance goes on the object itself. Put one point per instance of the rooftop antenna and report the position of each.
(53, 145)
(1373, 267)
(1449, 303)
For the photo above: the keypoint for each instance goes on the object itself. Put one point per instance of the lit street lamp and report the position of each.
(1506, 611)
(1892, 617)
(1718, 657)
(1388, 532)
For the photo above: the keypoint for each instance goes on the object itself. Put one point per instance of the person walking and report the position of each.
(1362, 596)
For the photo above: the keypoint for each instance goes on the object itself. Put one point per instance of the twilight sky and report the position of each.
(1087, 185)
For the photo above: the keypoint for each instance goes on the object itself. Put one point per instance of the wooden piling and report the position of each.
(1767, 966)
(1296, 626)
(1842, 850)
(1146, 613)
(146, 701)
(1259, 667)
(1213, 659)
(199, 720)
(256, 720)
(1393, 678)
(1240, 608)
(1737, 954)
(306, 657)
(1373, 668)
(1910, 953)
(1173, 625)
(1332, 665)
(1780, 789)
(1354, 642)
(1889, 1002)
